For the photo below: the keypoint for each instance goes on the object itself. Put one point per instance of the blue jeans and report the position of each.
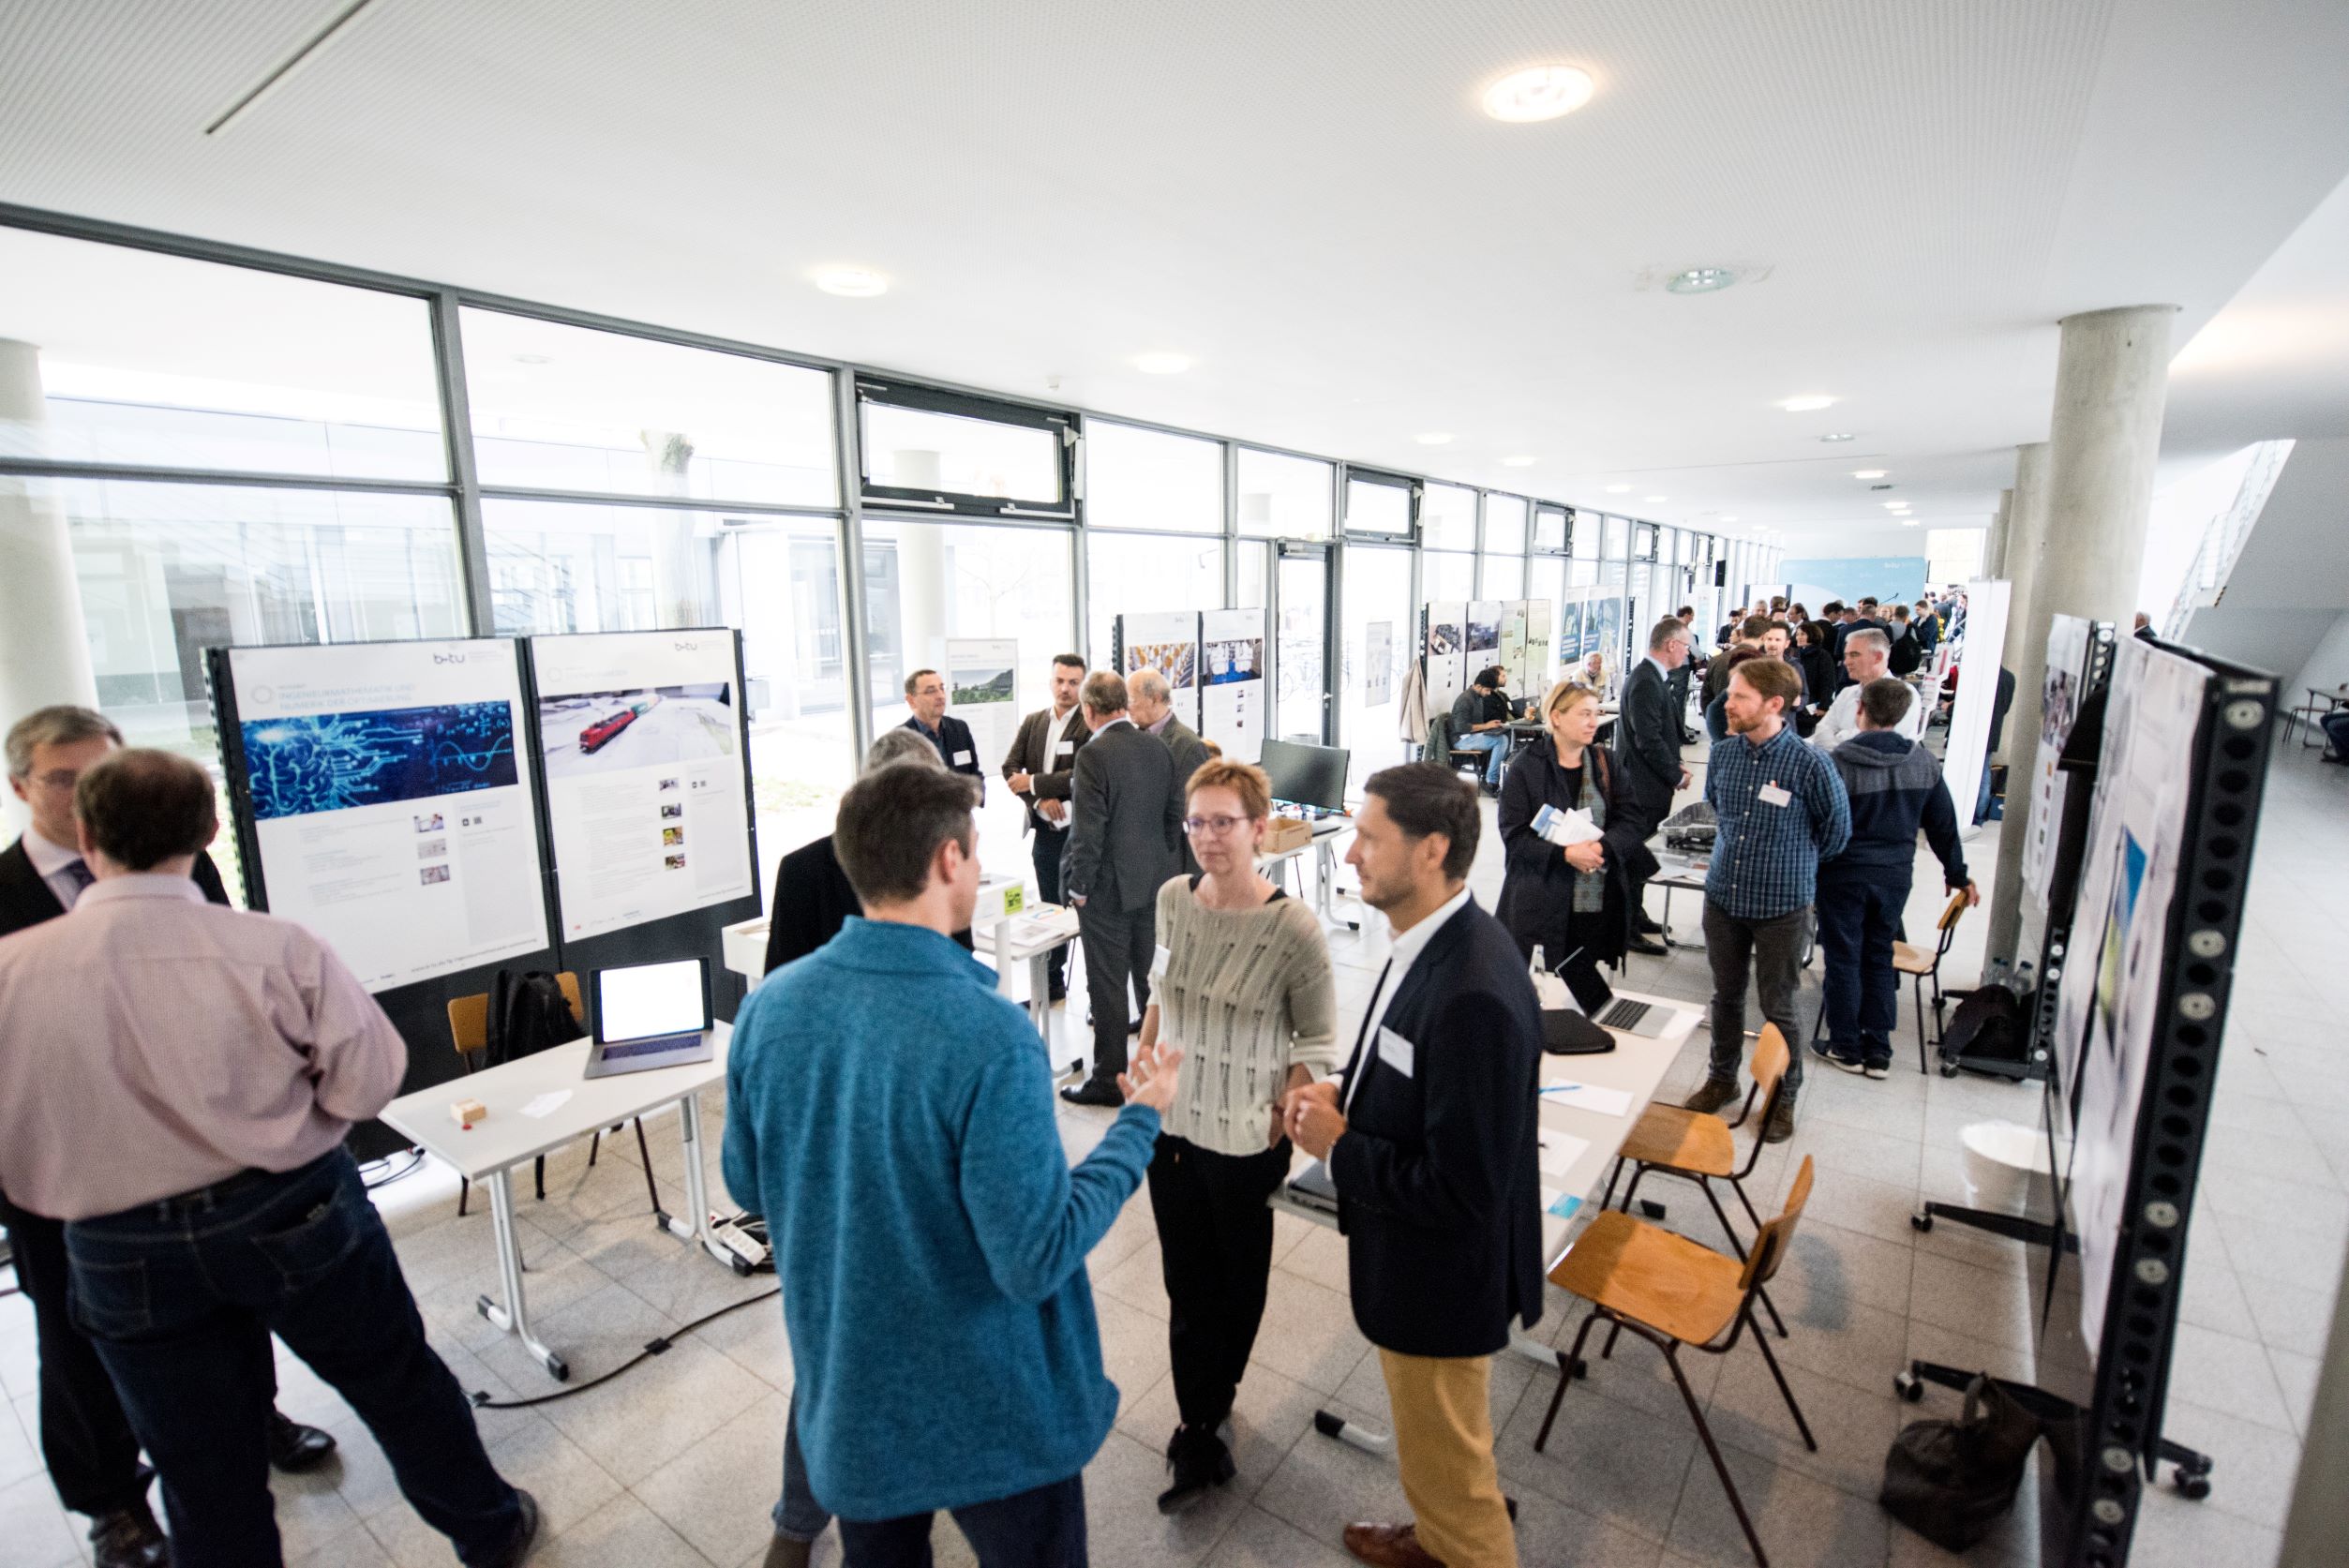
(181, 1297)
(1039, 1528)
(1494, 743)
(1858, 917)
(798, 1517)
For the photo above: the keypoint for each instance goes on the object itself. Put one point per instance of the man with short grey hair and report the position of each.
(1153, 710)
(1867, 656)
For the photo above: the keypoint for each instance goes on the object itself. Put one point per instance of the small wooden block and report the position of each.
(467, 1112)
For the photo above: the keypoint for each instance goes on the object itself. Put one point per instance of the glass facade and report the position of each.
(1147, 479)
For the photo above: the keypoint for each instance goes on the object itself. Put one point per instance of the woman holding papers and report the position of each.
(1566, 885)
(1243, 985)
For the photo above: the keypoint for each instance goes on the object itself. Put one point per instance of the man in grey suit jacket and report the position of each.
(1647, 749)
(1122, 847)
(1153, 714)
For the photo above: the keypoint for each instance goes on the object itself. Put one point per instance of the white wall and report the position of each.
(2328, 666)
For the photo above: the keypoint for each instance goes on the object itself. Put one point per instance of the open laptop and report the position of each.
(1598, 1002)
(651, 1015)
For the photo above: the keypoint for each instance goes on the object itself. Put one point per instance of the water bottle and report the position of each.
(1540, 966)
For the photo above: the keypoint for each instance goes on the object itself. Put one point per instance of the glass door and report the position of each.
(1301, 650)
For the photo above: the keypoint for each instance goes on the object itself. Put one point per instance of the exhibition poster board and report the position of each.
(1233, 702)
(390, 808)
(2110, 994)
(642, 740)
(1484, 634)
(1968, 750)
(1378, 663)
(1570, 625)
(1448, 653)
(1166, 641)
(2069, 645)
(981, 690)
(1512, 654)
(1540, 660)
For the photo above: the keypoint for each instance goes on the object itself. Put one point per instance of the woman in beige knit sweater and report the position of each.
(1242, 984)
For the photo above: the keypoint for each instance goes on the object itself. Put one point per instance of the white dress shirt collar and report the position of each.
(48, 859)
(1407, 949)
(140, 884)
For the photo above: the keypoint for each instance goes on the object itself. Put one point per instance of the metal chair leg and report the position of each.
(1738, 1187)
(464, 1192)
(1917, 986)
(644, 1153)
(1633, 1191)
(1720, 1467)
(596, 1143)
(1802, 1425)
(1612, 1172)
(1772, 1307)
(1565, 1376)
(538, 1176)
(1723, 1215)
(1607, 1353)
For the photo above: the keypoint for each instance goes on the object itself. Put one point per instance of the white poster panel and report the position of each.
(1166, 641)
(2111, 990)
(2068, 645)
(641, 735)
(1540, 659)
(1448, 653)
(1967, 752)
(1233, 700)
(981, 690)
(1512, 654)
(394, 815)
(1378, 662)
(1484, 634)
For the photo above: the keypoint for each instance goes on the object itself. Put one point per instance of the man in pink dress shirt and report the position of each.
(175, 1082)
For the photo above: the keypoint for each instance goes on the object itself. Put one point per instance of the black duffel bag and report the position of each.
(1950, 1481)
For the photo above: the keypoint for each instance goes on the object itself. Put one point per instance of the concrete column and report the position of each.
(1994, 549)
(2112, 379)
(2024, 652)
(44, 642)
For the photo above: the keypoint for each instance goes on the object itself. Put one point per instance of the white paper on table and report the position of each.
(1587, 1096)
(1565, 828)
(546, 1104)
(1559, 1150)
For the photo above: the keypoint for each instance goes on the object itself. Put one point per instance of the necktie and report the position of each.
(77, 872)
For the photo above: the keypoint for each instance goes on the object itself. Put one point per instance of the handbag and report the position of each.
(1950, 1481)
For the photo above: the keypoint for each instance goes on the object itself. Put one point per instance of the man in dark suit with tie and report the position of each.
(92, 1453)
(1123, 847)
(1429, 1137)
(1647, 753)
(1040, 767)
(925, 694)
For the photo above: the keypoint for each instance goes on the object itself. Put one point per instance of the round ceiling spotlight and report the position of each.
(1700, 280)
(1809, 402)
(1839, 435)
(1867, 473)
(1433, 438)
(1539, 93)
(1519, 462)
(1619, 490)
(851, 282)
(1652, 500)
(1908, 522)
(1161, 364)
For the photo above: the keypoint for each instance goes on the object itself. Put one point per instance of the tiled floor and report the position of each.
(676, 1463)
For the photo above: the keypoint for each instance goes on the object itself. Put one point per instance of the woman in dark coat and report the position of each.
(1576, 897)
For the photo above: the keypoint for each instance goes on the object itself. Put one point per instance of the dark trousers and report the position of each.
(1050, 846)
(1645, 818)
(1772, 949)
(1859, 916)
(1117, 950)
(1039, 1528)
(93, 1456)
(181, 1297)
(1215, 1250)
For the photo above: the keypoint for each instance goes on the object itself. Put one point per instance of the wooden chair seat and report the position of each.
(1678, 1138)
(1908, 961)
(1653, 1276)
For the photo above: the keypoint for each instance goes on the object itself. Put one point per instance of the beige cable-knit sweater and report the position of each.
(1247, 994)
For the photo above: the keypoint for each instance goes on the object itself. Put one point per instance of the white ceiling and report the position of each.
(1306, 198)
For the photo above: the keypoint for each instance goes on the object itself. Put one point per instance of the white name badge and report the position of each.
(1770, 795)
(1066, 746)
(961, 759)
(1395, 1050)
(1159, 958)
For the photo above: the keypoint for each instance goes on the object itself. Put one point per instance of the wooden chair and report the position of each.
(468, 1031)
(1920, 969)
(1672, 1292)
(1697, 1145)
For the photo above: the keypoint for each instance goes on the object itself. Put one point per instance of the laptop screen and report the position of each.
(1591, 990)
(644, 1000)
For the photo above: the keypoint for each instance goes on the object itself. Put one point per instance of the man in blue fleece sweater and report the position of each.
(1896, 787)
(892, 1117)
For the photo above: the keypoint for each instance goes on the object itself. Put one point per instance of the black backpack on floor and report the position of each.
(1991, 1024)
(527, 1013)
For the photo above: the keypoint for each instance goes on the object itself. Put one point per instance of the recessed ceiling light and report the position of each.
(1652, 500)
(1867, 473)
(1839, 435)
(851, 282)
(1732, 518)
(1808, 402)
(1618, 489)
(1908, 522)
(1700, 280)
(1519, 462)
(1433, 438)
(533, 359)
(1539, 93)
(1896, 506)
(1161, 364)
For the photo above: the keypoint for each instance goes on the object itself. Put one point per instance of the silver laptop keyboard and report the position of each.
(1622, 1015)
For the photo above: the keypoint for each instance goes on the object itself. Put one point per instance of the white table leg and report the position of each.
(1040, 993)
(513, 1317)
(697, 1187)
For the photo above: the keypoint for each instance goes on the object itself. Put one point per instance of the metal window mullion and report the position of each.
(456, 429)
(1232, 527)
(853, 614)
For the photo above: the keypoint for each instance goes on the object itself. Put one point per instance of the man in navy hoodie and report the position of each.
(1896, 787)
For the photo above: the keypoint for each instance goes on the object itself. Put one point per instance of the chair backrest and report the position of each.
(1777, 1235)
(469, 1016)
(1771, 1060)
(1947, 925)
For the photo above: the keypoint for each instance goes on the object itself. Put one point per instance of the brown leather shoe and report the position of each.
(1388, 1546)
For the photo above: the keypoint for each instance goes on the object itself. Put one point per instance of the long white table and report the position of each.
(1030, 937)
(488, 1151)
(1636, 1066)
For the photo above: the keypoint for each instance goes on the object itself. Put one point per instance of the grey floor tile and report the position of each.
(353, 1548)
(2230, 1375)
(1140, 1281)
(1122, 1520)
(1259, 1540)
(1852, 1427)
(1973, 1301)
(567, 1483)
(623, 1533)
(1826, 1261)
(1268, 1418)
(1324, 1486)
(2173, 1532)
(1801, 1521)
(2295, 1376)
(1309, 1333)
(1613, 1460)
(717, 1494)
(2254, 1467)
(33, 1524)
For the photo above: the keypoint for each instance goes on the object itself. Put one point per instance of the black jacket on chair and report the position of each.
(1128, 836)
(26, 901)
(956, 748)
(1437, 1173)
(1647, 741)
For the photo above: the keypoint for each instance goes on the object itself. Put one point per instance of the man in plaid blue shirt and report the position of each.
(1782, 810)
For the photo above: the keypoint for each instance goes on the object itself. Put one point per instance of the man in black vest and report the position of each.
(925, 694)
(1429, 1139)
(92, 1454)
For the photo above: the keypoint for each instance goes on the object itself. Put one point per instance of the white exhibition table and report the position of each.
(1636, 1066)
(1324, 845)
(526, 1120)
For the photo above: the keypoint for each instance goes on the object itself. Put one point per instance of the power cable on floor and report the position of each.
(482, 1401)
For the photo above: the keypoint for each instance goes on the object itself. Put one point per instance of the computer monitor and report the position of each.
(647, 1001)
(1306, 775)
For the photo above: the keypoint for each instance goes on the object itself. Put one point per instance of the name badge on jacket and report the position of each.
(1065, 748)
(1160, 957)
(1770, 795)
(961, 759)
(1395, 1050)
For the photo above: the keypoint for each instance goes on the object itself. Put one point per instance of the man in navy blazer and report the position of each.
(1428, 1136)
(925, 694)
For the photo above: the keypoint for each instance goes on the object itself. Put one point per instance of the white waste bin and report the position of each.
(2000, 1159)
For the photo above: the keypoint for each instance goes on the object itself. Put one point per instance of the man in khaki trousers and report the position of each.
(1429, 1137)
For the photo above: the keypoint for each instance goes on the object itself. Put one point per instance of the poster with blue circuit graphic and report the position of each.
(393, 814)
